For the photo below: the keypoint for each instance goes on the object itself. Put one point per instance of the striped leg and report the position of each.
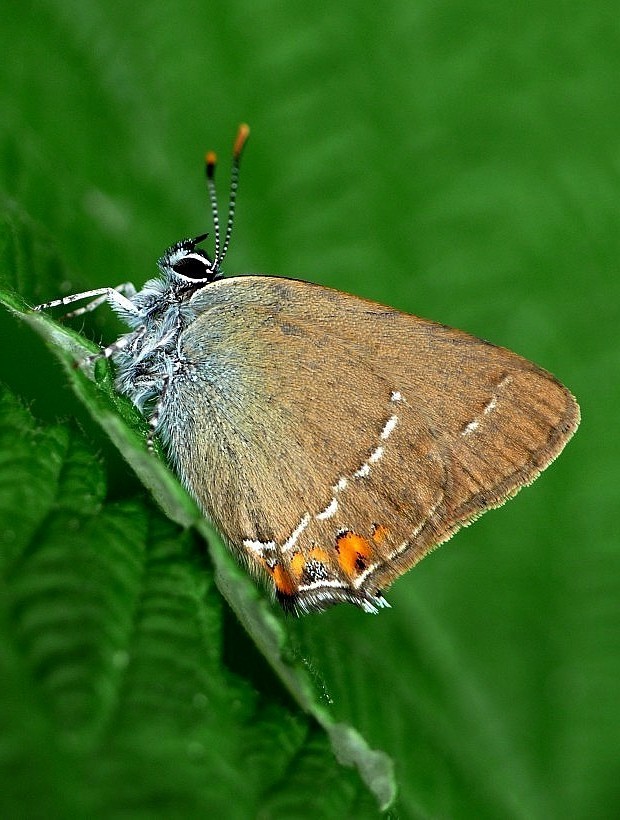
(111, 295)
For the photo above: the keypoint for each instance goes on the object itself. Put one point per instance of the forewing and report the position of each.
(335, 441)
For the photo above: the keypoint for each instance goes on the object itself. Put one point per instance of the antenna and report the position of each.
(243, 133)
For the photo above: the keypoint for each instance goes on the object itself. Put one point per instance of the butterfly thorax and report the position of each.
(148, 357)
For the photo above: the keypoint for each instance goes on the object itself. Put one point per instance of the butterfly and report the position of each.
(333, 441)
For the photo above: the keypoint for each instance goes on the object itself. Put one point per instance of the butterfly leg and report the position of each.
(115, 296)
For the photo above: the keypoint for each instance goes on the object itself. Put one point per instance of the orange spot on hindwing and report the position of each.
(298, 562)
(379, 533)
(354, 552)
(283, 581)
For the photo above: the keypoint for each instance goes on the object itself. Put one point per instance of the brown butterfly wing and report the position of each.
(335, 441)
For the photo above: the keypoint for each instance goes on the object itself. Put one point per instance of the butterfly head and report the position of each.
(185, 264)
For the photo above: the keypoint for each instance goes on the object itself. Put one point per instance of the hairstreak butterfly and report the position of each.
(333, 441)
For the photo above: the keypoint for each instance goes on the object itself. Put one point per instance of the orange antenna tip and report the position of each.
(210, 163)
(243, 133)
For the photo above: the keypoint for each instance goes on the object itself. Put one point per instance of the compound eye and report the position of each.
(193, 267)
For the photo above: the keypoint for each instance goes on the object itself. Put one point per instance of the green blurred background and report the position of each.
(458, 160)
